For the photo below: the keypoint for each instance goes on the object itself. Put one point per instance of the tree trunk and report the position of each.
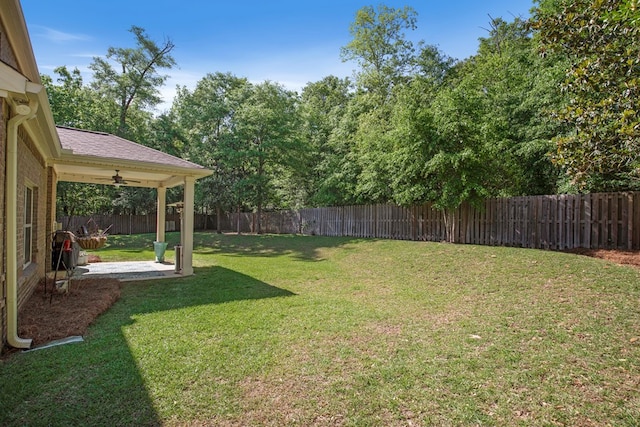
(218, 219)
(238, 220)
(450, 224)
(260, 197)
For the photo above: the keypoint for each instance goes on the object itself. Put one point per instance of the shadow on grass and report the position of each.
(302, 248)
(130, 241)
(208, 285)
(99, 382)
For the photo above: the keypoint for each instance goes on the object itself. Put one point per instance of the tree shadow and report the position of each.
(301, 248)
(99, 382)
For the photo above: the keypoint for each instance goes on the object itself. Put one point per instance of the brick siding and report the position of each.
(32, 171)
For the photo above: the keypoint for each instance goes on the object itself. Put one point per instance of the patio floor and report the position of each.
(125, 271)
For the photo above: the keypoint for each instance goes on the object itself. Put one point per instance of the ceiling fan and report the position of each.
(118, 180)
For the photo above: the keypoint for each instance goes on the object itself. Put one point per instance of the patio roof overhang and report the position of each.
(93, 157)
(99, 170)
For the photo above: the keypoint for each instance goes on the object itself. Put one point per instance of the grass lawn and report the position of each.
(292, 330)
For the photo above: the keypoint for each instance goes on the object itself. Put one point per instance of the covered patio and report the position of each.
(125, 271)
(101, 158)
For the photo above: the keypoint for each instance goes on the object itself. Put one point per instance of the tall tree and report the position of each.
(520, 91)
(323, 105)
(266, 129)
(135, 77)
(380, 46)
(386, 58)
(206, 117)
(414, 136)
(75, 104)
(465, 131)
(600, 38)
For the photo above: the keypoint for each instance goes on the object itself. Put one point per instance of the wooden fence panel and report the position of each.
(603, 220)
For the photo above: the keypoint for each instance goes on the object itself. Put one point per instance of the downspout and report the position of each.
(23, 113)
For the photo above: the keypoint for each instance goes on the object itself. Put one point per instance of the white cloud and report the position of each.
(57, 36)
(87, 55)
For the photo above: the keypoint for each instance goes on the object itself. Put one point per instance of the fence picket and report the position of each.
(604, 220)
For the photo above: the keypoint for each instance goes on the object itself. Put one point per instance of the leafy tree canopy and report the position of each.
(600, 38)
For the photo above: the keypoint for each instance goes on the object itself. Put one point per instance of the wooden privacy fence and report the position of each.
(120, 224)
(603, 220)
(598, 221)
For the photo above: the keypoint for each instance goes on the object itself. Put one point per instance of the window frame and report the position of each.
(27, 225)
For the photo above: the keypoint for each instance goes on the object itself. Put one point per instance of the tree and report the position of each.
(167, 136)
(206, 117)
(464, 131)
(265, 130)
(380, 47)
(414, 135)
(323, 105)
(83, 199)
(386, 58)
(111, 103)
(456, 151)
(600, 38)
(75, 104)
(520, 91)
(138, 79)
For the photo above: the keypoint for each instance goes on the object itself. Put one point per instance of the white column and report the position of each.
(160, 216)
(187, 229)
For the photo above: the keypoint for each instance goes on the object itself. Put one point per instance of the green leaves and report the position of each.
(601, 40)
(138, 79)
(380, 46)
(247, 133)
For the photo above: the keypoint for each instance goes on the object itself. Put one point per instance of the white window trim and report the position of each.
(28, 192)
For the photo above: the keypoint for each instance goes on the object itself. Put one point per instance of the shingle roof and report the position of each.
(105, 145)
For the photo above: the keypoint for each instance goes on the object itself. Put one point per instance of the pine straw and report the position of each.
(47, 317)
(616, 256)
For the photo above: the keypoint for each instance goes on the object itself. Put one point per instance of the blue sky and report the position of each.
(286, 41)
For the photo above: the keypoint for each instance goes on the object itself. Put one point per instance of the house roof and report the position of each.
(90, 156)
(20, 79)
(105, 145)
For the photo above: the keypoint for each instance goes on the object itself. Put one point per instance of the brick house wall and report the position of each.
(32, 171)
(50, 214)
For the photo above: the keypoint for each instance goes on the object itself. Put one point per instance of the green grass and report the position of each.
(292, 330)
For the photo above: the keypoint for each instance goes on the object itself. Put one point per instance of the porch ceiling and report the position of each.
(101, 172)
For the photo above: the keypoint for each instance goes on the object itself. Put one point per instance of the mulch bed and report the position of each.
(616, 256)
(50, 316)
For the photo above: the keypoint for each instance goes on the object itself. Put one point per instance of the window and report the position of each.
(28, 225)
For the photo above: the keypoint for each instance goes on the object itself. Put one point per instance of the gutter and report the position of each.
(23, 113)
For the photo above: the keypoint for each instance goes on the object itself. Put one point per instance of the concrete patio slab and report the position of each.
(125, 271)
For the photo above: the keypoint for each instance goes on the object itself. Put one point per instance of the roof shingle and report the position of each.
(105, 145)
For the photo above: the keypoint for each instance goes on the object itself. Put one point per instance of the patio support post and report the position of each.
(160, 216)
(187, 223)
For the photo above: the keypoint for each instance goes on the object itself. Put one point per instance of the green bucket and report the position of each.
(159, 248)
